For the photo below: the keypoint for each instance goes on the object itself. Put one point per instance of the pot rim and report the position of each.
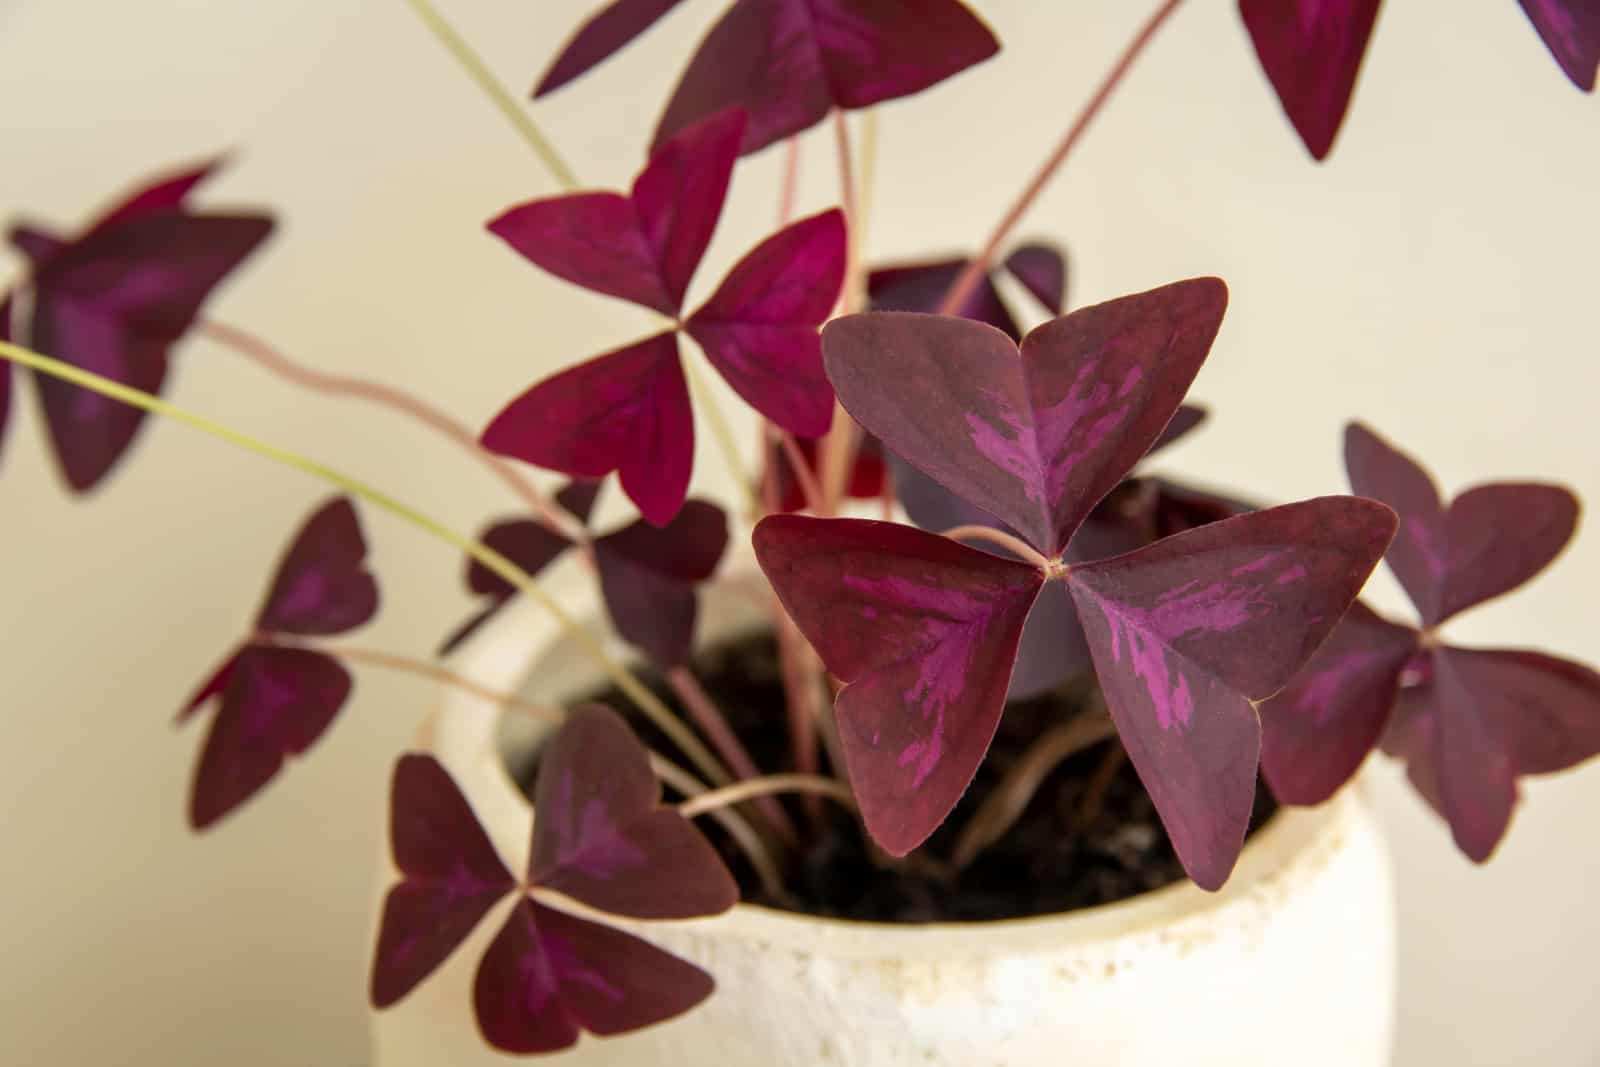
(463, 732)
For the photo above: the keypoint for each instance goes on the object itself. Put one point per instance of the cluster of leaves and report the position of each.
(1467, 722)
(1190, 608)
(600, 838)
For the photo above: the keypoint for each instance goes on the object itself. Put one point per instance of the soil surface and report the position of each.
(1063, 853)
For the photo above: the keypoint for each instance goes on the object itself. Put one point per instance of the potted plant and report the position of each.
(827, 753)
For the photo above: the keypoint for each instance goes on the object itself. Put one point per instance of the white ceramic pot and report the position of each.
(1291, 963)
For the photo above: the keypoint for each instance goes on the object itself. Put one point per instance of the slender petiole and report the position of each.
(759, 787)
(1005, 805)
(709, 718)
(1004, 540)
(647, 702)
(738, 828)
(265, 355)
(973, 273)
(723, 434)
(479, 72)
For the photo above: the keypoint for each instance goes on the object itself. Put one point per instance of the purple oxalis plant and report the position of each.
(601, 838)
(1038, 545)
(1468, 722)
(1184, 634)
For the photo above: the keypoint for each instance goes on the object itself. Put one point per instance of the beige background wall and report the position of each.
(1436, 278)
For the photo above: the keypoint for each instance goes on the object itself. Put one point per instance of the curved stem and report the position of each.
(479, 72)
(742, 832)
(723, 434)
(760, 787)
(1006, 541)
(801, 470)
(263, 354)
(973, 273)
(709, 718)
(1001, 808)
(647, 702)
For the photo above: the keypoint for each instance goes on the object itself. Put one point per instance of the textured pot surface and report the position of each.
(1292, 962)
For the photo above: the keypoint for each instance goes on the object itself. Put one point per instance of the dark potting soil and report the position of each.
(1051, 859)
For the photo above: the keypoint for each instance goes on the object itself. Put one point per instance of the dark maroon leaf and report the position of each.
(1379, 471)
(1499, 536)
(450, 876)
(214, 686)
(601, 836)
(323, 585)
(1571, 30)
(922, 287)
(1035, 439)
(1042, 270)
(1545, 710)
(606, 32)
(548, 974)
(790, 62)
(1318, 730)
(113, 303)
(531, 545)
(161, 194)
(643, 247)
(1187, 633)
(278, 701)
(577, 497)
(760, 327)
(625, 411)
(866, 476)
(924, 631)
(1489, 541)
(648, 576)
(1311, 51)
(1186, 419)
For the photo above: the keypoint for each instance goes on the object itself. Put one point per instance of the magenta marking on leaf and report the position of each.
(923, 630)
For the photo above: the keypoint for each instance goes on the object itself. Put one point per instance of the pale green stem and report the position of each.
(723, 433)
(647, 702)
(479, 72)
(760, 787)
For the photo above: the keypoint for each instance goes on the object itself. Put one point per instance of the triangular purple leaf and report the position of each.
(625, 411)
(605, 33)
(577, 498)
(1042, 270)
(112, 304)
(922, 287)
(923, 631)
(160, 194)
(548, 975)
(1571, 30)
(531, 545)
(648, 576)
(601, 836)
(1318, 730)
(1187, 633)
(1465, 768)
(790, 62)
(1545, 710)
(643, 247)
(759, 329)
(277, 703)
(1490, 540)
(1035, 438)
(450, 876)
(1311, 51)
(323, 585)
(1185, 420)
